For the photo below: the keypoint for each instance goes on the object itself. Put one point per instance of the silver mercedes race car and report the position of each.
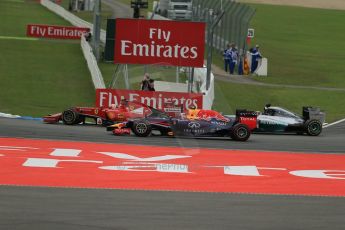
(280, 120)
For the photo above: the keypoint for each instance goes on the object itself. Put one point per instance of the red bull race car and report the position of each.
(193, 123)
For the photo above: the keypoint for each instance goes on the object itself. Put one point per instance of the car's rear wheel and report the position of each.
(141, 128)
(70, 117)
(313, 127)
(240, 132)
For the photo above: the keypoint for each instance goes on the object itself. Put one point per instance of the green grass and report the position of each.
(304, 46)
(232, 96)
(16, 15)
(39, 77)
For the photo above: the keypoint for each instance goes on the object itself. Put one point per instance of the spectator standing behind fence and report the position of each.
(226, 56)
(256, 56)
(144, 85)
(88, 36)
(152, 85)
(233, 58)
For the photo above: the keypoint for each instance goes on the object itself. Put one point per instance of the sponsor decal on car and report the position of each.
(194, 131)
(99, 121)
(218, 123)
(194, 125)
(122, 131)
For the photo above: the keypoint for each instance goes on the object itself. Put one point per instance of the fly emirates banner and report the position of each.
(160, 42)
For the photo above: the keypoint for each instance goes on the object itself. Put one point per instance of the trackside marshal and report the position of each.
(161, 42)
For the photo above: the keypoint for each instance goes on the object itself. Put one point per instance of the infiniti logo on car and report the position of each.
(194, 125)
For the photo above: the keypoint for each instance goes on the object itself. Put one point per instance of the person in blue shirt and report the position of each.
(226, 56)
(233, 58)
(256, 56)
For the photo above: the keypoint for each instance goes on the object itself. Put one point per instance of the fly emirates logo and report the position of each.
(60, 32)
(165, 49)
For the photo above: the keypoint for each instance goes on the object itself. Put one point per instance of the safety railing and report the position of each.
(96, 74)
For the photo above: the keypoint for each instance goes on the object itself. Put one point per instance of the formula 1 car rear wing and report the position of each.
(248, 118)
(310, 113)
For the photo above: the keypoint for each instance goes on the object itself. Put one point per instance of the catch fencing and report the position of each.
(232, 28)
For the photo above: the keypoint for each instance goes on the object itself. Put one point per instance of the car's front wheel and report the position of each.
(70, 117)
(141, 128)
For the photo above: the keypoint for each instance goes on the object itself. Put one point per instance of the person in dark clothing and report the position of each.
(88, 36)
(256, 56)
(226, 57)
(233, 58)
(144, 85)
(151, 85)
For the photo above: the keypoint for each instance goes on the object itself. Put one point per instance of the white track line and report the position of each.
(18, 38)
(334, 123)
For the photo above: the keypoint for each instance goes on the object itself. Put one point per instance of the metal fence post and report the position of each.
(210, 48)
(97, 29)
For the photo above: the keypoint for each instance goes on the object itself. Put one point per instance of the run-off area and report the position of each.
(27, 162)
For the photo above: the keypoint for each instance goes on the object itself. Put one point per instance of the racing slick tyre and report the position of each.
(70, 117)
(141, 128)
(313, 127)
(240, 132)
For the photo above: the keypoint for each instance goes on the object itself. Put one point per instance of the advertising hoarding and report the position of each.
(161, 42)
(58, 32)
(156, 99)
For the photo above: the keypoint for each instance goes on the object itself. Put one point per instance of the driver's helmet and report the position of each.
(192, 114)
(112, 106)
(267, 106)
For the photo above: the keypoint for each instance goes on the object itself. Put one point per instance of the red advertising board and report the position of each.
(161, 42)
(155, 99)
(60, 32)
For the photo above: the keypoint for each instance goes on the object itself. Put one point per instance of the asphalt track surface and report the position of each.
(332, 139)
(59, 208)
(119, 9)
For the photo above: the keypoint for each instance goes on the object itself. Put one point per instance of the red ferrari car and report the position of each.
(106, 116)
